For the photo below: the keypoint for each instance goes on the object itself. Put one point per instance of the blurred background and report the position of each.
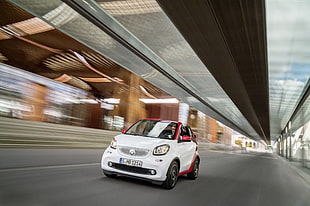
(74, 73)
(58, 70)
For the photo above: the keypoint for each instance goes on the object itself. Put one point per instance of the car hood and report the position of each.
(139, 141)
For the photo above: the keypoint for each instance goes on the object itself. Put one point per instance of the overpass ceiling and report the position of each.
(244, 63)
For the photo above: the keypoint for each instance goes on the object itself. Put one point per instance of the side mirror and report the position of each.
(186, 138)
(124, 130)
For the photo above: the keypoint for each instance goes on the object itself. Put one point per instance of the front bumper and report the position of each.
(154, 168)
(132, 176)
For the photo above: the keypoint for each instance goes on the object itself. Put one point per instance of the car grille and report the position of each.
(134, 151)
(127, 168)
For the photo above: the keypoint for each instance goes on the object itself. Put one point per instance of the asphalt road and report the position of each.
(39, 177)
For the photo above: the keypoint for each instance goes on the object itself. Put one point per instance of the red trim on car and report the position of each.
(178, 131)
(191, 167)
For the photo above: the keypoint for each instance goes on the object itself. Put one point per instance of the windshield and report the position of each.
(153, 128)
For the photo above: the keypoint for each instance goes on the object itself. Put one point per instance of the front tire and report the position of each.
(194, 173)
(172, 176)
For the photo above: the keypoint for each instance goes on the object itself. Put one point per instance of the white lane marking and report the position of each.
(264, 157)
(245, 154)
(48, 167)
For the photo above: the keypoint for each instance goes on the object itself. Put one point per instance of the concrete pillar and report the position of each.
(94, 116)
(279, 145)
(290, 143)
(130, 107)
(34, 96)
(282, 145)
(192, 120)
(286, 145)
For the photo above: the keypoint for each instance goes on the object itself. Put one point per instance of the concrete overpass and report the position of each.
(244, 63)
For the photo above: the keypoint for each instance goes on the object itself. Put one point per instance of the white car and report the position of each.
(155, 150)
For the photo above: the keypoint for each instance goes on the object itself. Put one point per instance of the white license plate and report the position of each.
(125, 161)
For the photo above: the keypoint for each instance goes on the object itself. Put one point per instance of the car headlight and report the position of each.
(161, 149)
(113, 143)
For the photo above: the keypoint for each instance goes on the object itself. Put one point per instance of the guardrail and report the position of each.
(25, 133)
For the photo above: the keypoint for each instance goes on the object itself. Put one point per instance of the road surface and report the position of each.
(39, 177)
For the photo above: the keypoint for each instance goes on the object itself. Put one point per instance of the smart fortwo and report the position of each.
(155, 150)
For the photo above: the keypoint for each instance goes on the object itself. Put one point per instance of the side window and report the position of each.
(169, 131)
(185, 131)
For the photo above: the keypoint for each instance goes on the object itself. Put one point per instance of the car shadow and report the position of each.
(137, 181)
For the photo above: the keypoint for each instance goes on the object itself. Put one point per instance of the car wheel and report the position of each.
(194, 173)
(172, 176)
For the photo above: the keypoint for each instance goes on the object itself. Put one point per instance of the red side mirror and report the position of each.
(186, 138)
(124, 130)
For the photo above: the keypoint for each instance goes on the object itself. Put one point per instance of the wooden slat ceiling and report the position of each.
(50, 54)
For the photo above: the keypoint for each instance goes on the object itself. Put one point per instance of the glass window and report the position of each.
(153, 128)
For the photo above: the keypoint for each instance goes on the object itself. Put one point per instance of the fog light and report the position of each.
(110, 164)
(153, 172)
